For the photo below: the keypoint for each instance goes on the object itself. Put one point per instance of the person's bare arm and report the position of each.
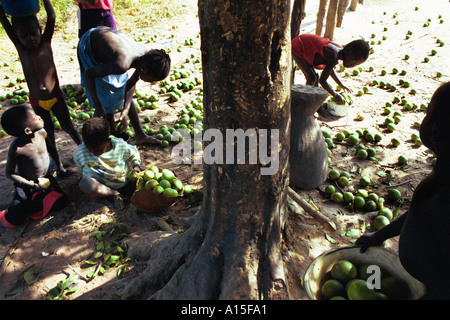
(338, 81)
(8, 27)
(10, 170)
(377, 238)
(51, 19)
(129, 92)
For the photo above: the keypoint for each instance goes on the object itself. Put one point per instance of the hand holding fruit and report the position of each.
(339, 99)
(122, 123)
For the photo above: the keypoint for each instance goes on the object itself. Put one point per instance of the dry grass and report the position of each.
(137, 14)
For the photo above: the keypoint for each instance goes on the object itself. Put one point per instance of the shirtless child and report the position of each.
(311, 52)
(36, 56)
(105, 56)
(424, 237)
(27, 166)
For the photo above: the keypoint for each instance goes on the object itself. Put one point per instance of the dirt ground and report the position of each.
(41, 254)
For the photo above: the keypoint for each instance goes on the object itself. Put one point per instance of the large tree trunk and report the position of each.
(232, 250)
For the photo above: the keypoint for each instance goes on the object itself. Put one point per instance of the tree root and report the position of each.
(196, 266)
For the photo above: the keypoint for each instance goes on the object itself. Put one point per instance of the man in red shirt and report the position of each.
(314, 52)
(95, 13)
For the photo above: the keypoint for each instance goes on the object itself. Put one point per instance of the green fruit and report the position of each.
(370, 206)
(168, 175)
(371, 152)
(348, 197)
(334, 174)
(187, 189)
(169, 192)
(158, 190)
(394, 195)
(386, 212)
(148, 175)
(403, 159)
(165, 183)
(362, 154)
(337, 197)
(132, 176)
(343, 181)
(151, 184)
(330, 189)
(391, 127)
(326, 133)
(165, 143)
(177, 185)
(380, 222)
(395, 142)
(358, 290)
(362, 193)
(353, 139)
(359, 202)
(332, 288)
(363, 274)
(364, 181)
(343, 271)
(340, 136)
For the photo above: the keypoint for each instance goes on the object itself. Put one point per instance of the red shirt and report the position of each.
(101, 4)
(307, 45)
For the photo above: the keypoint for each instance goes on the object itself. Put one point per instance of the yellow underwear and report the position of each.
(45, 104)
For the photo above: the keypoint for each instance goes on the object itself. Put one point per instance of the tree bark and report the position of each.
(353, 5)
(343, 4)
(298, 14)
(320, 16)
(331, 19)
(233, 248)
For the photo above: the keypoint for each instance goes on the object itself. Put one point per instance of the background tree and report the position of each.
(233, 248)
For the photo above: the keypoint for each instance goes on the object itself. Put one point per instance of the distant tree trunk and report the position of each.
(298, 14)
(320, 16)
(331, 19)
(232, 250)
(353, 5)
(343, 4)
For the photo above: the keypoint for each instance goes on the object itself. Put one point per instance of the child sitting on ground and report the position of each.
(36, 55)
(105, 161)
(311, 52)
(36, 191)
(424, 237)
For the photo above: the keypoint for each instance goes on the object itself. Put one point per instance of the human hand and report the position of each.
(339, 99)
(346, 89)
(368, 240)
(137, 168)
(122, 123)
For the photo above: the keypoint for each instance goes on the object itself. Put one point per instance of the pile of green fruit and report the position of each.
(160, 181)
(347, 281)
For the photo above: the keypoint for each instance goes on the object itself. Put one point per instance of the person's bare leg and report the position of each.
(312, 78)
(96, 189)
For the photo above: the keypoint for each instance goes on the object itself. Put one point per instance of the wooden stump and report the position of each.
(308, 157)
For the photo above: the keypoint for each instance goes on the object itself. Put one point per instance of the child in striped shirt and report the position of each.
(105, 161)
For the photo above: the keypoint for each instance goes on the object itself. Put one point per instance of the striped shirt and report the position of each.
(110, 168)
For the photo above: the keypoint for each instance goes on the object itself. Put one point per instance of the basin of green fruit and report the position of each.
(343, 274)
(156, 189)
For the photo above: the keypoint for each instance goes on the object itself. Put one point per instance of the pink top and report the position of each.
(101, 4)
